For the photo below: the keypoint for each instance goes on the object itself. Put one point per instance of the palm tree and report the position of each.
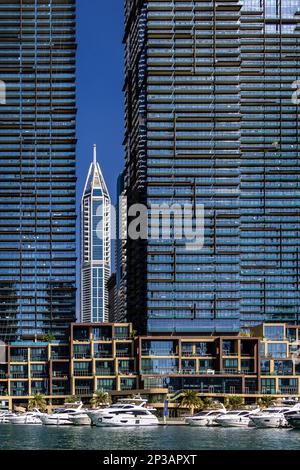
(38, 402)
(191, 401)
(234, 402)
(72, 399)
(100, 398)
(208, 403)
(266, 401)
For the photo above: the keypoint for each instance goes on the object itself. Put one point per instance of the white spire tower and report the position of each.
(95, 246)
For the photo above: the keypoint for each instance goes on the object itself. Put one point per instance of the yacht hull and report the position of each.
(82, 420)
(55, 421)
(126, 422)
(272, 422)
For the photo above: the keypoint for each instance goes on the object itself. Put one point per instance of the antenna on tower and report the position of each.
(95, 155)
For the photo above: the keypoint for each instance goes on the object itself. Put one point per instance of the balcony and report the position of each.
(123, 354)
(108, 372)
(82, 356)
(83, 391)
(158, 352)
(38, 358)
(102, 354)
(19, 375)
(126, 372)
(39, 375)
(60, 375)
(19, 393)
(288, 391)
(83, 373)
(19, 359)
(59, 357)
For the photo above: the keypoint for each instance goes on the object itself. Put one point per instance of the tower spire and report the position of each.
(95, 155)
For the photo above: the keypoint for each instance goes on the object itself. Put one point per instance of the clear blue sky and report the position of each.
(99, 88)
(100, 81)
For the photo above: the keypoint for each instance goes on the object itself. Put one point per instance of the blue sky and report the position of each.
(99, 91)
(99, 88)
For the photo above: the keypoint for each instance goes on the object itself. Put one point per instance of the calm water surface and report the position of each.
(162, 438)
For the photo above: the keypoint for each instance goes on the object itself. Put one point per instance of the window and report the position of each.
(277, 350)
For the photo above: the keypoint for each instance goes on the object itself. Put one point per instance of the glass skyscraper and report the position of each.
(37, 157)
(95, 246)
(212, 118)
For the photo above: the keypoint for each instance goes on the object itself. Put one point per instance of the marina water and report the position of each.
(158, 438)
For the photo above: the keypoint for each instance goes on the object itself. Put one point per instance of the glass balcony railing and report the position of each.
(18, 359)
(82, 373)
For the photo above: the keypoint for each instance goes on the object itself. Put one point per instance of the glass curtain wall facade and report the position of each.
(38, 175)
(95, 246)
(211, 118)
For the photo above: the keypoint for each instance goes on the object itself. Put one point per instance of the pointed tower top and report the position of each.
(95, 180)
(95, 155)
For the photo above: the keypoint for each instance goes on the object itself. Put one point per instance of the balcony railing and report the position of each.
(196, 354)
(82, 373)
(39, 375)
(105, 372)
(59, 392)
(82, 356)
(194, 372)
(59, 357)
(126, 372)
(158, 352)
(59, 374)
(19, 393)
(38, 359)
(288, 391)
(101, 354)
(19, 375)
(18, 359)
(83, 391)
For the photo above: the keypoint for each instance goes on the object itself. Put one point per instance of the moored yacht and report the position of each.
(205, 418)
(6, 416)
(123, 405)
(293, 419)
(30, 418)
(80, 418)
(61, 417)
(133, 417)
(274, 417)
(237, 418)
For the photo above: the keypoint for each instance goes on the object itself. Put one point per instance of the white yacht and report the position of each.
(274, 417)
(205, 418)
(80, 418)
(134, 417)
(237, 418)
(123, 405)
(61, 417)
(6, 416)
(30, 418)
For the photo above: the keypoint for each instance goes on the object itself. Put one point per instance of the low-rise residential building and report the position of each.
(262, 361)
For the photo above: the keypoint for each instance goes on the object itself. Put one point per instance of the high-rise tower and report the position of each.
(212, 118)
(95, 246)
(38, 176)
